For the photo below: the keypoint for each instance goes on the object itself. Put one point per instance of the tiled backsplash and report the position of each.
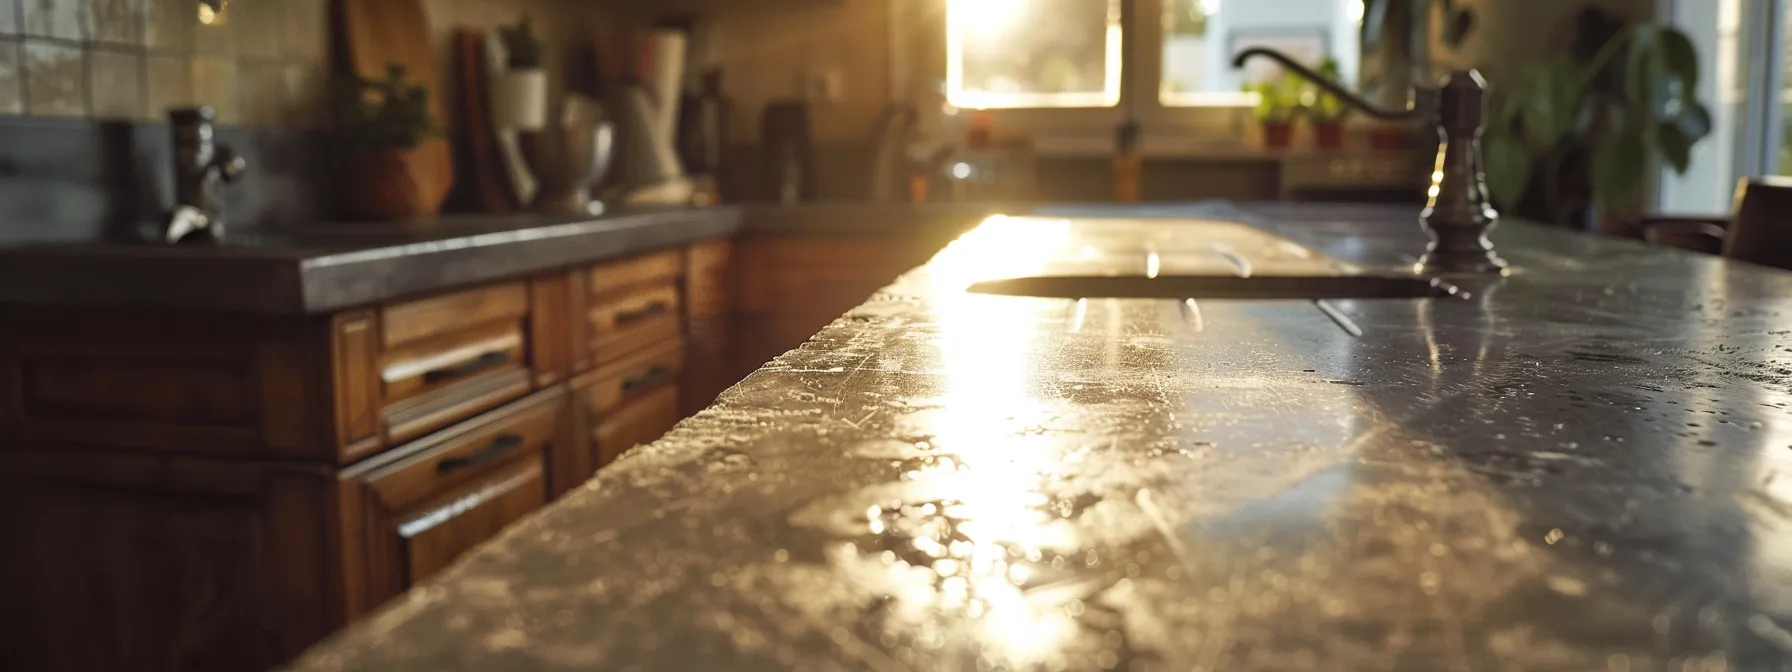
(262, 63)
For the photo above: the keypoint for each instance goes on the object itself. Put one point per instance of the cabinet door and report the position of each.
(421, 508)
(631, 403)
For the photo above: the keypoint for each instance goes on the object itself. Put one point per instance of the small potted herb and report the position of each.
(1278, 105)
(380, 122)
(519, 96)
(1326, 112)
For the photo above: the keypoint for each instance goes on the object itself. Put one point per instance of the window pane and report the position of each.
(1033, 53)
(1200, 37)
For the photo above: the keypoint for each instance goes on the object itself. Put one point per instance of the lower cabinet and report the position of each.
(629, 403)
(408, 516)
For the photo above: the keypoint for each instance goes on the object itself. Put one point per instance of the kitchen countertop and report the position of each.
(322, 268)
(1581, 466)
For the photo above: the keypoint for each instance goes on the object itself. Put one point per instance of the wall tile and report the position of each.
(169, 24)
(256, 29)
(9, 17)
(215, 84)
(264, 92)
(114, 21)
(170, 84)
(55, 79)
(307, 86)
(303, 32)
(54, 18)
(115, 83)
(12, 92)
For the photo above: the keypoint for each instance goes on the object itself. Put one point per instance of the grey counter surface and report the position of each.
(322, 268)
(1582, 466)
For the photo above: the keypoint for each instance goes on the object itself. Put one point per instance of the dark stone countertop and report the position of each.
(322, 268)
(1583, 466)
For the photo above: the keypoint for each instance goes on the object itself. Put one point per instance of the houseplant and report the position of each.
(1278, 106)
(1326, 112)
(519, 92)
(380, 122)
(1578, 132)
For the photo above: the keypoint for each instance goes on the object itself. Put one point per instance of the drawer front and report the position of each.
(430, 501)
(664, 266)
(435, 316)
(447, 358)
(629, 321)
(640, 420)
(630, 402)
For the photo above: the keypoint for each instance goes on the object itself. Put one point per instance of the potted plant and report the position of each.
(1574, 134)
(519, 93)
(1278, 105)
(1326, 112)
(380, 123)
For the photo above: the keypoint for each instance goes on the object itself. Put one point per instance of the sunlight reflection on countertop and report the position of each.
(1580, 467)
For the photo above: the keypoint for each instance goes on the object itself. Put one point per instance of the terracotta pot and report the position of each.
(1387, 137)
(1278, 134)
(1328, 135)
(388, 186)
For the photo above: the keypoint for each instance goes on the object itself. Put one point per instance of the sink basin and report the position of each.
(1219, 287)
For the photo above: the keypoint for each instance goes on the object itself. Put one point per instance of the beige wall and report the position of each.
(763, 48)
(266, 64)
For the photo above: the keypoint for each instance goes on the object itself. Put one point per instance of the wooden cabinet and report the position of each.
(710, 281)
(409, 513)
(220, 491)
(631, 402)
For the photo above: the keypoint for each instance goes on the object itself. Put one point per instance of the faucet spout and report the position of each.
(1457, 216)
(1420, 109)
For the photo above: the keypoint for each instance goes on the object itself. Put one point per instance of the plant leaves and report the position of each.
(1507, 167)
(1551, 98)
(1693, 120)
(1679, 59)
(1619, 164)
(1674, 146)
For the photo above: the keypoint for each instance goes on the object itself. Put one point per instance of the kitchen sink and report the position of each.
(1264, 287)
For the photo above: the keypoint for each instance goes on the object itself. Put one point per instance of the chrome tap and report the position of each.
(1457, 215)
(199, 164)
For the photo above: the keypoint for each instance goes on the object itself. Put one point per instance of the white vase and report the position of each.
(519, 99)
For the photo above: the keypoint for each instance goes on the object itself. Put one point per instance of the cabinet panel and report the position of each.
(126, 562)
(634, 401)
(709, 312)
(423, 318)
(651, 268)
(640, 421)
(422, 505)
(625, 322)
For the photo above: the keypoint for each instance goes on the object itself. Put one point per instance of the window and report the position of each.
(1055, 54)
(1033, 53)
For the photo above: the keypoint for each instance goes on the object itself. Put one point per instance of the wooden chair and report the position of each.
(1758, 231)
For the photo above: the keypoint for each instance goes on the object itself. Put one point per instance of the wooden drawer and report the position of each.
(446, 358)
(629, 403)
(417, 509)
(664, 266)
(630, 320)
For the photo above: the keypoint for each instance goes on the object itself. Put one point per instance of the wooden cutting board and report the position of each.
(490, 186)
(375, 33)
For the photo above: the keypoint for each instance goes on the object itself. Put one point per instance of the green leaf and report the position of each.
(1674, 146)
(1693, 120)
(1551, 99)
(1679, 59)
(1508, 167)
(1618, 170)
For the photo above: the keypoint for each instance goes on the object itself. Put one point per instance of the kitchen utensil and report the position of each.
(374, 34)
(789, 153)
(485, 177)
(888, 138)
(522, 183)
(665, 77)
(651, 169)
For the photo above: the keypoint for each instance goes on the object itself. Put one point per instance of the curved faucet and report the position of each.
(199, 165)
(1457, 216)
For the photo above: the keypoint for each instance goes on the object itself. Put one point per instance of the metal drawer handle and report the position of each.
(486, 361)
(649, 310)
(496, 449)
(654, 376)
